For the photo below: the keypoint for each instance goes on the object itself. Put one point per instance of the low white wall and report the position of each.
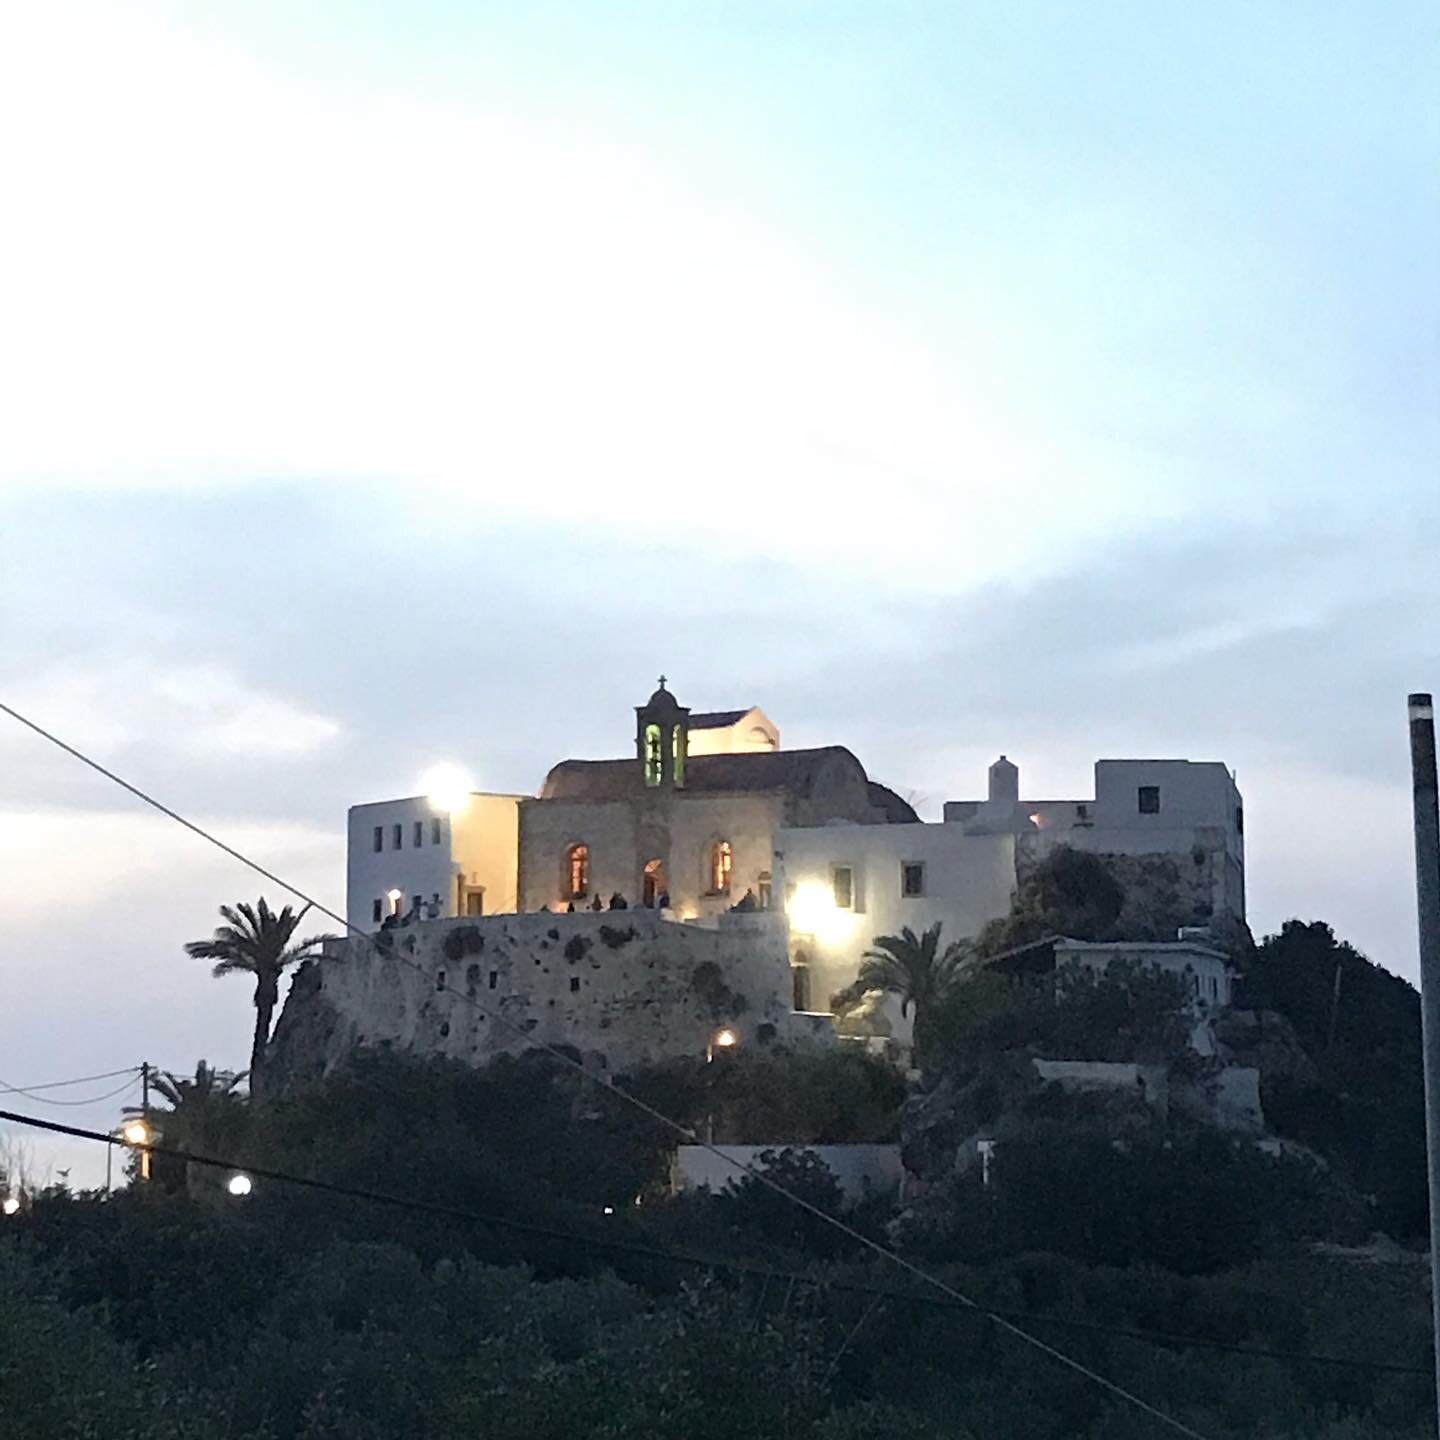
(859, 1169)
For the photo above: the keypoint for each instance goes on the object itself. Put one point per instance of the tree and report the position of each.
(205, 1113)
(911, 966)
(256, 941)
(1070, 892)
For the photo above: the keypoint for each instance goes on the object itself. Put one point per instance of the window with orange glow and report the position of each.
(721, 860)
(577, 872)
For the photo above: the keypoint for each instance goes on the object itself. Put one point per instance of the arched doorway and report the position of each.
(652, 884)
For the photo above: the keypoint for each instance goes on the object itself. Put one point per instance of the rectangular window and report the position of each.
(1149, 797)
(435, 832)
(377, 911)
(1239, 821)
(419, 904)
(912, 879)
(379, 837)
(842, 879)
(574, 983)
(397, 837)
(494, 978)
(419, 838)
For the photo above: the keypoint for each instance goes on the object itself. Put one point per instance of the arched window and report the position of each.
(577, 872)
(654, 755)
(652, 884)
(763, 890)
(721, 859)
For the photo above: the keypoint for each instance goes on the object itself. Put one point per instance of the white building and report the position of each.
(844, 887)
(1179, 808)
(1204, 971)
(408, 855)
(846, 884)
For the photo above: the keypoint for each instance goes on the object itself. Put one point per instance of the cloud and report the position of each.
(201, 712)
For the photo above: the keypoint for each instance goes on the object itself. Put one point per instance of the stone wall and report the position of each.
(623, 988)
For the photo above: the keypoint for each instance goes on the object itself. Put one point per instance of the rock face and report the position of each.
(622, 988)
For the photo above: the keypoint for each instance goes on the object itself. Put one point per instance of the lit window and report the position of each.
(379, 837)
(912, 879)
(679, 750)
(843, 881)
(721, 860)
(419, 839)
(654, 755)
(397, 837)
(577, 872)
(1149, 796)
(763, 889)
(435, 832)
(377, 911)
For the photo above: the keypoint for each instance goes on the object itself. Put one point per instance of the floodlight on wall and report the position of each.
(448, 788)
(812, 911)
(10, 1205)
(239, 1184)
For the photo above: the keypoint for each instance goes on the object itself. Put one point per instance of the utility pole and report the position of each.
(145, 1116)
(1427, 894)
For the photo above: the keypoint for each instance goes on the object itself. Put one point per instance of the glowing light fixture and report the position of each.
(726, 1038)
(10, 1205)
(239, 1185)
(609, 1209)
(813, 911)
(448, 788)
(135, 1132)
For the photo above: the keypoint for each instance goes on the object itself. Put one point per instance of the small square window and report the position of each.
(1149, 797)
(435, 832)
(912, 879)
(842, 879)
(419, 839)
(574, 983)
(397, 837)
(377, 911)
(379, 837)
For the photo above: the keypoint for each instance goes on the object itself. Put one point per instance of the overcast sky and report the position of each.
(391, 384)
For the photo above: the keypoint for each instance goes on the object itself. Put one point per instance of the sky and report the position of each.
(390, 384)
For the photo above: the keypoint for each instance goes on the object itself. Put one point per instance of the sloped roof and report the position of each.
(793, 770)
(898, 811)
(717, 719)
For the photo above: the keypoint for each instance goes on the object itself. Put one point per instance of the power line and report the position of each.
(691, 1260)
(1009, 1327)
(61, 1084)
(91, 1100)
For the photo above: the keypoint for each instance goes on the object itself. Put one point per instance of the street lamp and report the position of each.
(136, 1133)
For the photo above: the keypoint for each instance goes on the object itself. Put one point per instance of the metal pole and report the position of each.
(1427, 893)
(145, 1116)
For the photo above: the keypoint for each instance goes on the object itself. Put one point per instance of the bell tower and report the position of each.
(662, 739)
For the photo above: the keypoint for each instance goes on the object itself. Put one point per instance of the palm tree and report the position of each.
(204, 1113)
(256, 941)
(911, 966)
